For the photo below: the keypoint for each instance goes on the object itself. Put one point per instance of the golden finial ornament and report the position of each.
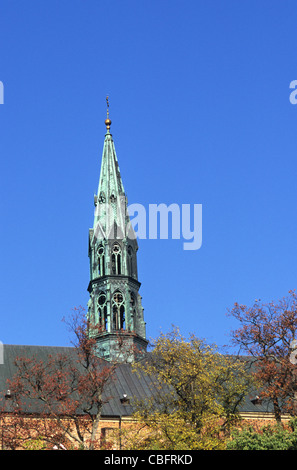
(107, 120)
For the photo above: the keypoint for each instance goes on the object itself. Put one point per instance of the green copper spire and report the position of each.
(111, 194)
(115, 303)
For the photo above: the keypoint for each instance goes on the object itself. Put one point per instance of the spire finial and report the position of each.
(107, 120)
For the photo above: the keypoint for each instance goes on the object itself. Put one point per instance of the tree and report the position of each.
(266, 334)
(271, 437)
(59, 402)
(199, 395)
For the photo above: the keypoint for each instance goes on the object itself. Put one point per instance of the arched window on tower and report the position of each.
(101, 261)
(118, 311)
(133, 310)
(116, 259)
(130, 261)
(102, 311)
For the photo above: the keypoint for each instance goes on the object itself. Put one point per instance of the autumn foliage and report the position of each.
(266, 334)
(58, 403)
(197, 396)
(200, 391)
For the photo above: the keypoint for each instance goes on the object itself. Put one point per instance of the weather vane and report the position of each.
(107, 121)
(107, 104)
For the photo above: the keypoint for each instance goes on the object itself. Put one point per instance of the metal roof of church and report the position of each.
(126, 382)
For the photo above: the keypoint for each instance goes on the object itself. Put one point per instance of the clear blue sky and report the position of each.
(199, 102)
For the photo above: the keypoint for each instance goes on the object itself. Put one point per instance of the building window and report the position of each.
(133, 309)
(102, 311)
(108, 437)
(118, 311)
(102, 197)
(116, 260)
(130, 261)
(101, 261)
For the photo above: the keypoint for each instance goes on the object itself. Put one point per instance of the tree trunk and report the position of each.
(277, 411)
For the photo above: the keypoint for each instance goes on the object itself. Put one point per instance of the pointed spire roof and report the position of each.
(110, 188)
(110, 182)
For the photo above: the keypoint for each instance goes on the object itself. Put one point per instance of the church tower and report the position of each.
(115, 303)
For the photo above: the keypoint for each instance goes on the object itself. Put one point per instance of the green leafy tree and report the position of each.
(272, 437)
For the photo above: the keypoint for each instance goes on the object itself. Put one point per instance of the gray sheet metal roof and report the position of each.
(125, 381)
